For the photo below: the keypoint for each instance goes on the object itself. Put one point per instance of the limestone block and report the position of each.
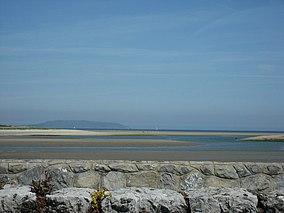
(213, 181)
(12, 198)
(35, 173)
(62, 177)
(3, 168)
(124, 167)
(89, 179)
(258, 183)
(102, 168)
(147, 167)
(241, 170)
(80, 167)
(219, 200)
(144, 200)
(192, 181)
(75, 200)
(226, 171)
(279, 182)
(114, 180)
(273, 169)
(169, 181)
(207, 169)
(142, 179)
(255, 168)
(168, 168)
(271, 202)
(17, 167)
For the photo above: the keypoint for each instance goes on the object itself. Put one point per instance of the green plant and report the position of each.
(97, 198)
(42, 188)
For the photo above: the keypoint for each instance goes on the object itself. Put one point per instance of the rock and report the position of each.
(273, 169)
(3, 168)
(207, 169)
(79, 167)
(273, 202)
(147, 167)
(34, 173)
(279, 182)
(192, 181)
(258, 183)
(17, 167)
(102, 168)
(168, 181)
(75, 200)
(124, 167)
(142, 179)
(226, 171)
(168, 169)
(144, 200)
(221, 182)
(89, 179)
(114, 180)
(61, 177)
(12, 198)
(255, 168)
(241, 170)
(219, 200)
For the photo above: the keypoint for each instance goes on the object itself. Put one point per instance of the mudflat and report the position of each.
(40, 144)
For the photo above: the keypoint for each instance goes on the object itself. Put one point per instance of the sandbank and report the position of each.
(71, 132)
(272, 138)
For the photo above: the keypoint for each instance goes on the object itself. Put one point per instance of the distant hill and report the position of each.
(79, 124)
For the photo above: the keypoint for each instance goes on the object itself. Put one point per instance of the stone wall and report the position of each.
(175, 175)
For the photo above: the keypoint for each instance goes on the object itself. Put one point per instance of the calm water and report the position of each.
(207, 143)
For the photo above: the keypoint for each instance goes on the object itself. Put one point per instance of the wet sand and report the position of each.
(146, 155)
(64, 132)
(89, 142)
(14, 138)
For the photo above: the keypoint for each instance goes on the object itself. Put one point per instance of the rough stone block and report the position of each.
(124, 167)
(80, 167)
(192, 181)
(88, 180)
(279, 182)
(214, 181)
(271, 202)
(3, 168)
(144, 200)
(114, 180)
(219, 200)
(142, 179)
(255, 168)
(35, 173)
(102, 168)
(207, 169)
(226, 171)
(147, 167)
(61, 177)
(273, 169)
(169, 181)
(258, 183)
(17, 167)
(241, 170)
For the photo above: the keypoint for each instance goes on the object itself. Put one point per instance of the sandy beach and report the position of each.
(71, 132)
(41, 144)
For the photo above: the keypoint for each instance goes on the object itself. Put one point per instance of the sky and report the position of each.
(184, 64)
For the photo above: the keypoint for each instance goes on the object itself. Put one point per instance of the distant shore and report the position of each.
(71, 132)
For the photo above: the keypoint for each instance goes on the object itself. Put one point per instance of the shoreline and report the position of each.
(71, 132)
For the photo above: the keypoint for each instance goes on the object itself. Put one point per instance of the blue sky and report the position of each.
(146, 64)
